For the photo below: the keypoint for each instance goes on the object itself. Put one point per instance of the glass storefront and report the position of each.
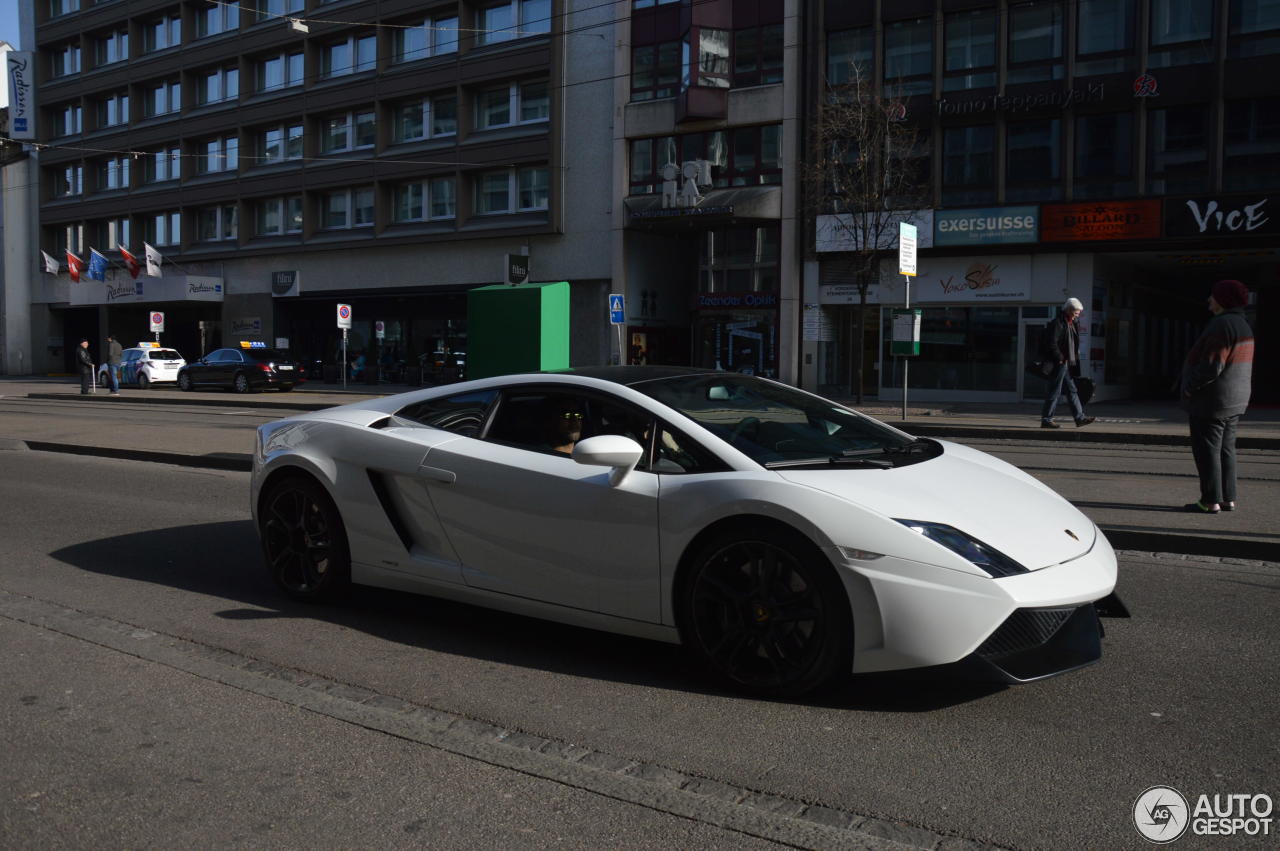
(961, 348)
(743, 341)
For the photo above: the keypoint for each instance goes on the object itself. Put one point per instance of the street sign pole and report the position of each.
(617, 318)
(344, 322)
(344, 359)
(907, 268)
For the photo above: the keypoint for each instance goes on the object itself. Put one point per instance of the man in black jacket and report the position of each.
(1062, 348)
(1216, 382)
(85, 365)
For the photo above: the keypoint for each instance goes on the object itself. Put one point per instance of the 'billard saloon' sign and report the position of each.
(1100, 220)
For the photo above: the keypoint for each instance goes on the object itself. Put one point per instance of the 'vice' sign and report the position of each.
(1248, 215)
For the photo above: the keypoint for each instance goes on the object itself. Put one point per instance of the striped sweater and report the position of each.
(1218, 373)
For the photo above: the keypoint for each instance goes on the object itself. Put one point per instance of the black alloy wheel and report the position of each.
(241, 383)
(184, 382)
(304, 540)
(765, 612)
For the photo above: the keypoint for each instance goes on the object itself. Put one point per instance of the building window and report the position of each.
(68, 238)
(426, 119)
(1181, 32)
(278, 216)
(164, 164)
(218, 85)
(968, 158)
(712, 68)
(347, 132)
(162, 33)
(1104, 36)
(111, 48)
(970, 55)
(850, 56)
(908, 57)
(162, 98)
(525, 103)
(757, 56)
(164, 228)
(1251, 145)
(739, 260)
(278, 72)
(1255, 28)
(347, 208)
(113, 110)
(68, 120)
(217, 224)
(1177, 150)
(655, 70)
(514, 19)
(513, 190)
(63, 7)
(649, 4)
(218, 155)
(430, 37)
(277, 144)
(1104, 156)
(349, 56)
(424, 200)
(113, 173)
(267, 10)
(65, 60)
(68, 180)
(1033, 160)
(218, 18)
(745, 156)
(112, 233)
(1035, 42)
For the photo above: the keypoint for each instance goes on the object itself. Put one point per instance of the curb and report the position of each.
(235, 402)
(1121, 539)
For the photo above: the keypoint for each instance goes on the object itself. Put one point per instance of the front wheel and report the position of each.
(241, 383)
(304, 540)
(764, 611)
(184, 382)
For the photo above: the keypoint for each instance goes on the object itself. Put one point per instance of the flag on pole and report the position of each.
(97, 265)
(153, 260)
(74, 265)
(50, 264)
(130, 262)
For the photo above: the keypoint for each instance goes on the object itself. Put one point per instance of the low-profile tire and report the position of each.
(143, 381)
(184, 382)
(763, 610)
(304, 540)
(241, 383)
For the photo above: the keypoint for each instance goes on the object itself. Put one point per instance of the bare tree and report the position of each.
(861, 175)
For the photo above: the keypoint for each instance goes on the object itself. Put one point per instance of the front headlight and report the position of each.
(985, 557)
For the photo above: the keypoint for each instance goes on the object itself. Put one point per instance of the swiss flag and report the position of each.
(130, 261)
(74, 265)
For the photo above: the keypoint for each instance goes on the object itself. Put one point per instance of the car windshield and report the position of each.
(163, 354)
(269, 354)
(777, 425)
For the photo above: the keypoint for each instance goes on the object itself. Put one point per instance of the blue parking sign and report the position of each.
(616, 310)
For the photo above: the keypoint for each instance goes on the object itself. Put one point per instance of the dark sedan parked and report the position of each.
(244, 369)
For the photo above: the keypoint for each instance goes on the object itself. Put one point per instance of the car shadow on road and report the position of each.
(223, 560)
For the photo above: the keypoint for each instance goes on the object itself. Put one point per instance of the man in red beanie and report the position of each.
(1216, 380)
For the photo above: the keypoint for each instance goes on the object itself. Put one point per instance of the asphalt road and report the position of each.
(161, 692)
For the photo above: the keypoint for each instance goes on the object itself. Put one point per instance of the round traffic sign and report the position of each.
(157, 318)
(344, 311)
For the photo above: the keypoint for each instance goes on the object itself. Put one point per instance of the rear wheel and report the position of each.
(304, 540)
(764, 611)
(184, 382)
(242, 383)
(285, 388)
(143, 381)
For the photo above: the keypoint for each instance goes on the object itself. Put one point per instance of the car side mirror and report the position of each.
(609, 450)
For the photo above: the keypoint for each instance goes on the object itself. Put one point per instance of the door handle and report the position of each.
(436, 474)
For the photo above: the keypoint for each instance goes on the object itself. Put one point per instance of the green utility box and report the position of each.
(522, 328)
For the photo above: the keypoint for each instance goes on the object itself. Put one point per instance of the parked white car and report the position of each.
(784, 539)
(145, 364)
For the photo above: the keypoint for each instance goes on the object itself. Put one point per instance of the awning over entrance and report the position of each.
(744, 202)
(146, 289)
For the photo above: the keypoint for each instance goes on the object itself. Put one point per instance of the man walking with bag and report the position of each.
(84, 363)
(114, 351)
(1061, 348)
(1216, 382)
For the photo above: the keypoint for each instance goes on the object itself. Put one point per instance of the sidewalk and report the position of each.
(1129, 471)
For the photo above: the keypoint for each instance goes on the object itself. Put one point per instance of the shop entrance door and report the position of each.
(1033, 386)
